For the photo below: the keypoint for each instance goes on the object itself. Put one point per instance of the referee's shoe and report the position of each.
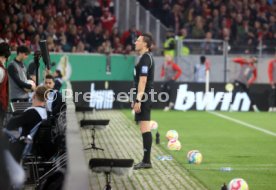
(142, 165)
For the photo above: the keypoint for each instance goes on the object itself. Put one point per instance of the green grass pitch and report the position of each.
(249, 152)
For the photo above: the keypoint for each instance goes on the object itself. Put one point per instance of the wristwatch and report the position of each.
(137, 101)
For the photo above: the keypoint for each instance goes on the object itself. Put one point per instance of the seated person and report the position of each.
(28, 120)
(58, 80)
(54, 103)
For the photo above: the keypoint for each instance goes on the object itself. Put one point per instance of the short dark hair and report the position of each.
(5, 50)
(202, 59)
(49, 77)
(147, 38)
(59, 73)
(255, 59)
(23, 49)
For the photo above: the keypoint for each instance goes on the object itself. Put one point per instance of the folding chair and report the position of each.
(44, 161)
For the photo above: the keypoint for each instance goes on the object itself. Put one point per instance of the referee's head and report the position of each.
(144, 43)
(147, 38)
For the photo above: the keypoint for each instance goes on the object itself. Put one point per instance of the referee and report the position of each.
(143, 81)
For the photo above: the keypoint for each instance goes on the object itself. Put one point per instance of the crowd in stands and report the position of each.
(75, 26)
(244, 23)
(68, 26)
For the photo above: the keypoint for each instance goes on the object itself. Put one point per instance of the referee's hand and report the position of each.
(137, 107)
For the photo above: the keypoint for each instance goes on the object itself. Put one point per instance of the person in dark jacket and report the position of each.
(18, 83)
(54, 103)
(58, 80)
(27, 120)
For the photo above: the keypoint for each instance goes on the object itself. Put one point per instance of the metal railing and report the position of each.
(187, 49)
(130, 13)
(220, 54)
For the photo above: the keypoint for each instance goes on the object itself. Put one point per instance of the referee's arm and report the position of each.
(140, 93)
(141, 87)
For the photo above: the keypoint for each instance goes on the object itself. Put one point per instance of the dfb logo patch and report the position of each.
(145, 69)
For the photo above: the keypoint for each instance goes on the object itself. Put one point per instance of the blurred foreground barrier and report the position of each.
(77, 170)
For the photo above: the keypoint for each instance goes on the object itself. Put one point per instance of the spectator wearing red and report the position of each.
(272, 82)
(129, 37)
(108, 20)
(246, 77)
(106, 4)
(4, 99)
(21, 39)
(170, 72)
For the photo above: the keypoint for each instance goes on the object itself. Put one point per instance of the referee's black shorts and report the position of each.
(144, 115)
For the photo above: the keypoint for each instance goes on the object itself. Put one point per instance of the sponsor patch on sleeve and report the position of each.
(145, 69)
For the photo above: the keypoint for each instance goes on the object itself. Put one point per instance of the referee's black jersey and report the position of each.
(145, 67)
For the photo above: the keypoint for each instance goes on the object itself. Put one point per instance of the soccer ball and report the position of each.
(174, 144)
(238, 184)
(194, 157)
(153, 125)
(172, 134)
(229, 87)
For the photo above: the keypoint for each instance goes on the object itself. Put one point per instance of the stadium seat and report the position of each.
(19, 107)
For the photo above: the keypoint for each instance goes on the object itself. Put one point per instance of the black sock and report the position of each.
(147, 141)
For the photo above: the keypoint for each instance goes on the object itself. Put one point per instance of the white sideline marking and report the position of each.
(244, 124)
